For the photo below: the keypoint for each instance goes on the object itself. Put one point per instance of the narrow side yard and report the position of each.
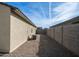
(43, 46)
(28, 49)
(50, 48)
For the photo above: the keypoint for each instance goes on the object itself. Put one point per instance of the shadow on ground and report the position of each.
(43, 46)
(50, 48)
(3, 53)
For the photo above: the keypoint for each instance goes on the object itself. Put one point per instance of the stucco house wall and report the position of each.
(14, 31)
(4, 28)
(19, 31)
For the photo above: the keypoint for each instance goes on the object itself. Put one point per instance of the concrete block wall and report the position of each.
(48, 32)
(71, 37)
(51, 33)
(55, 33)
(67, 35)
(58, 34)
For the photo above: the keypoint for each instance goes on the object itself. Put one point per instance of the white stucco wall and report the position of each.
(13, 30)
(19, 32)
(4, 28)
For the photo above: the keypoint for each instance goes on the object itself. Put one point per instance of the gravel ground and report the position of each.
(50, 48)
(28, 49)
(41, 47)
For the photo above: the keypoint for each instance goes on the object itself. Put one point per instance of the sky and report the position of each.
(46, 14)
(65, 12)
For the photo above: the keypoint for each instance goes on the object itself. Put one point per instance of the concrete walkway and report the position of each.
(43, 46)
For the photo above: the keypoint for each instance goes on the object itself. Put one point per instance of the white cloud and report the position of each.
(65, 12)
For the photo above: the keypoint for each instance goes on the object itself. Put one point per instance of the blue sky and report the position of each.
(37, 12)
(45, 14)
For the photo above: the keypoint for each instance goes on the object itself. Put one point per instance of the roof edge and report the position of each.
(15, 8)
